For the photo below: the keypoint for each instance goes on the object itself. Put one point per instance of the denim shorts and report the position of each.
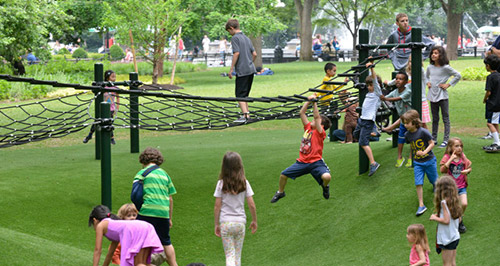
(401, 134)
(462, 191)
(422, 168)
(316, 169)
(363, 131)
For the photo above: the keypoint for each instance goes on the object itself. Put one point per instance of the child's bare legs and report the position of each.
(369, 153)
(326, 179)
(283, 180)
(142, 257)
(449, 257)
(170, 253)
(420, 195)
(400, 150)
(463, 200)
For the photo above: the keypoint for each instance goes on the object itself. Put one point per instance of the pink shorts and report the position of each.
(426, 117)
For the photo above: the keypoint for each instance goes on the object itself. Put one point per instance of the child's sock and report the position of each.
(495, 138)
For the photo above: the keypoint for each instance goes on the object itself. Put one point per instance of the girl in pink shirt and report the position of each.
(456, 164)
(419, 254)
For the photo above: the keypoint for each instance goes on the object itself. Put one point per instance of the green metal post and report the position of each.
(134, 116)
(363, 54)
(105, 129)
(416, 71)
(395, 117)
(98, 77)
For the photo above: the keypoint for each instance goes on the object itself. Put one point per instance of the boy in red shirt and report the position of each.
(310, 159)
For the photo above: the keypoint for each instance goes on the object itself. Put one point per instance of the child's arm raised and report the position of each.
(317, 117)
(253, 211)
(303, 110)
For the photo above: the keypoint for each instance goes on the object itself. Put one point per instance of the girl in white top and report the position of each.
(229, 211)
(438, 73)
(448, 205)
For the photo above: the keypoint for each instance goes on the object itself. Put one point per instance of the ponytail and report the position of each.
(101, 212)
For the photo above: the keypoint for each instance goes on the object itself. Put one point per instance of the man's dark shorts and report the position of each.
(316, 169)
(162, 227)
(243, 86)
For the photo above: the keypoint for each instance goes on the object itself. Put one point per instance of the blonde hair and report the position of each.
(451, 143)
(418, 232)
(446, 189)
(126, 209)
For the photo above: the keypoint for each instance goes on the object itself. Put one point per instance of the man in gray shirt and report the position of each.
(243, 56)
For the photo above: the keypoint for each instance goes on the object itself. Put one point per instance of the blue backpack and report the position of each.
(138, 188)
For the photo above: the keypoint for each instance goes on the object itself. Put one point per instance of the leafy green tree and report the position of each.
(151, 22)
(454, 10)
(255, 17)
(353, 13)
(83, 15)
(25, 25)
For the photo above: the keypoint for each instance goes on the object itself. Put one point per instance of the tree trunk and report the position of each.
(453, 18)
(257, 45)
(354, 43)
(305, 12)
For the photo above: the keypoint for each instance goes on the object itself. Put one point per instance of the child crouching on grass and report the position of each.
(424, 161)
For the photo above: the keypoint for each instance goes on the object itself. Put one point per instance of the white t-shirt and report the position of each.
(233, 206)
(447, 233)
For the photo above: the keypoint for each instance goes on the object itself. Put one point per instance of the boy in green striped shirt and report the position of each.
(157, 196)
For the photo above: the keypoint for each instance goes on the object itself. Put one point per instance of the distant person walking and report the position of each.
(206, 44)
(243, 56)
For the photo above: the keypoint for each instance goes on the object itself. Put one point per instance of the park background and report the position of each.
(48, 188)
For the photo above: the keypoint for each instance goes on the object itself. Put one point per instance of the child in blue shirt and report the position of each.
(424, 161)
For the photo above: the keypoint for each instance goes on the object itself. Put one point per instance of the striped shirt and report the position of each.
(158, 188)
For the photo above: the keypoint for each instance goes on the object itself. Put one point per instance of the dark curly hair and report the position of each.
(151, 155)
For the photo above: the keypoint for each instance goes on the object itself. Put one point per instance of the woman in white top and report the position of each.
(229, 211)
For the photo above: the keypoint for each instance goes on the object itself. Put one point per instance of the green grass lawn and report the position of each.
(49, 188)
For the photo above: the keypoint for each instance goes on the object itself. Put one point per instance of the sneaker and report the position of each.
(443, 144)
(113, 141)
(240, 120)
(489, 146)
(409, 163)
(461, 228)
(278, 196)
(326, 192)
(399, 162)
(492, 148)
(373, 168)
(487, 136)
(421, 210)
(87, 138)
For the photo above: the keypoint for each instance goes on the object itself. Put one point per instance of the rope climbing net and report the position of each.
(161, 111)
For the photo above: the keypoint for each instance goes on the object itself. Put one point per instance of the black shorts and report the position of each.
(162, 228)
(243, 86)
(451, 246)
